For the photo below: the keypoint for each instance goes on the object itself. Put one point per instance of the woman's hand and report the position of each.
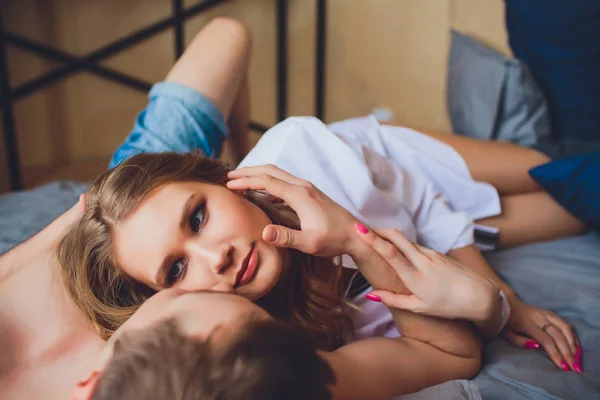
(532, 326)
(327, 229)
(443, 287)
(440, 286)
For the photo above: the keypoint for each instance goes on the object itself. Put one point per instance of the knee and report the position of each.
(536, 157)
(233, 30)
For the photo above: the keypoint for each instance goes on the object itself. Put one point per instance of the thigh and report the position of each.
(532, 217)
(501, 164)
(215, 63)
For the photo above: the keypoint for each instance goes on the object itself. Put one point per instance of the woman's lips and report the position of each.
(248, 269)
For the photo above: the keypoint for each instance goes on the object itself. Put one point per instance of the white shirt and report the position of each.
(388, 177)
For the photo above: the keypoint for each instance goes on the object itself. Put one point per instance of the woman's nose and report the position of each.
(217, 258)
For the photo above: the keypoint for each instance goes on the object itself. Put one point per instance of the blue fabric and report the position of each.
(178, 119)
(574, 182)
(560, 42)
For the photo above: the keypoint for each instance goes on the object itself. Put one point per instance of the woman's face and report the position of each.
(197, 236)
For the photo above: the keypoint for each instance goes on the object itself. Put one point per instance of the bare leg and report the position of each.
(216, 64)
(528, 213)
(532, 217)
(238, 123)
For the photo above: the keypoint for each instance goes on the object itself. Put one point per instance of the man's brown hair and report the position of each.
(264, 360)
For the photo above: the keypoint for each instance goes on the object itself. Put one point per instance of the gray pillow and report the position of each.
(494, 97)
(23, 214)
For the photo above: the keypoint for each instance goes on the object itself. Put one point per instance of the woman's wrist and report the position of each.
(496, 316)
(487, 301)
(355, 247)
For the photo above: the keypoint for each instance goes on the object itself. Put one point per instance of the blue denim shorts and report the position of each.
(178, 119)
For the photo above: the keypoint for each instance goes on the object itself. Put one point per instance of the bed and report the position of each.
(563, 275)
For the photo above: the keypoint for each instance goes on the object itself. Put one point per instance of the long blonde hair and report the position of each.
(108, 297)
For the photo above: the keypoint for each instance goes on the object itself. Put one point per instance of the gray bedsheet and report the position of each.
(563, 275)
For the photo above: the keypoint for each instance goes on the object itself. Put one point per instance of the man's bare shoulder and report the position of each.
(39, 246)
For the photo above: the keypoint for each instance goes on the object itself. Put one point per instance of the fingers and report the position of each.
(388, 251)
(520, 340)
(566, 329)
(411, 251)
(563, 347)
(407, 302)
(284, 237)
(549, 344)
(274, 186)
(266, 170)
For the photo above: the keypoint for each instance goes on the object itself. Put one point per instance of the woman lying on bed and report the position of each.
(168, 220)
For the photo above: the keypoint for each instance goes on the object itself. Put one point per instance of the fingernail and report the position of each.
(579, 351)
(272, 236)
(577, 368)
(361, 228)
(577, 358)
(373, 297)
(564, 366)
(532, 344)
(93, 375)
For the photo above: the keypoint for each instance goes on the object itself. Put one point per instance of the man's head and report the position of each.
(207, 345)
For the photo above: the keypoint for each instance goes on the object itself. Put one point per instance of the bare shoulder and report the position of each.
(45, 342)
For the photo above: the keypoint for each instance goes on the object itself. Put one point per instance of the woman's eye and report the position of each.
(175, 272)
(197, 218)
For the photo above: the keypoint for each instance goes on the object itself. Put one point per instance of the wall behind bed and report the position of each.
(380, 53)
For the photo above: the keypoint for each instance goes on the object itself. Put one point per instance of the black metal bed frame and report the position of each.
(90, 62)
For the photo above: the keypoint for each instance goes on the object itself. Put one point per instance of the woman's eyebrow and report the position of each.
(187, 209)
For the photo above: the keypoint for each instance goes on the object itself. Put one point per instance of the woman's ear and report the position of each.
(85, 389)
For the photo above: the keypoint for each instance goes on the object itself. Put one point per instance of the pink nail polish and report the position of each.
(577, 368)
(361, 228)
(564, 366)
(532, 344)
(373, 297)
(579, 351)
(577, 358)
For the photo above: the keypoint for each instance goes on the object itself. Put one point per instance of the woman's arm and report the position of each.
(430, 351)
(439, 285)
(380, 261)
(382, 368)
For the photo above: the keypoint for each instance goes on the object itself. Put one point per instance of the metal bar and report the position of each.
(62, 56)
(320, 59)
(8, 118)
(255, 126)
(110, 49)
(282, 11)
(179, 39)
